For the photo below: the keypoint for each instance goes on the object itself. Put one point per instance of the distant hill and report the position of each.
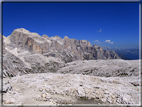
(127, 54)
(124, 57)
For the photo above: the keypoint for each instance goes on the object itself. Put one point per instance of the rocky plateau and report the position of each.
(42, 70)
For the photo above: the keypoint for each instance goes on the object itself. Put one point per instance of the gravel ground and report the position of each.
(56, 88)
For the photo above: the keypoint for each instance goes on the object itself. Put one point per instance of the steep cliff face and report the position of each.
(66, 49)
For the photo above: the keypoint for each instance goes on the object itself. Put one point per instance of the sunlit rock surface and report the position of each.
(51, 70)
(67, 49)
(70, 84)
(51, 88)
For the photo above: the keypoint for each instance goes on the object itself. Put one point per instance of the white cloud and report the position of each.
(100, 30)
(97, 41)
(109, 41)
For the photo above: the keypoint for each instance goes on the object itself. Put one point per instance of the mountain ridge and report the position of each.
(45, 70)
(67, 49)
(125, 53)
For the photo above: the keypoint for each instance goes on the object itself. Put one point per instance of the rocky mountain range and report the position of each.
(51, 70)
(25, 50)
(66, 49)
(125, 53)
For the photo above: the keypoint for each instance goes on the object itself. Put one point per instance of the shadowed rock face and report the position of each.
(66, 49)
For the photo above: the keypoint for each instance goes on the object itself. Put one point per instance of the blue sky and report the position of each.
(104, 24)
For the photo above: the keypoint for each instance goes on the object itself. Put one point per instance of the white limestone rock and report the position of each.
(72, 87)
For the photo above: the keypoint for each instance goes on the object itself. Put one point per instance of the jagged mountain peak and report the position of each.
(45, 36)
(55, 37)
(67, 49)
(85, 41)
(22, 30)
(58, 37)
(66, 37)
